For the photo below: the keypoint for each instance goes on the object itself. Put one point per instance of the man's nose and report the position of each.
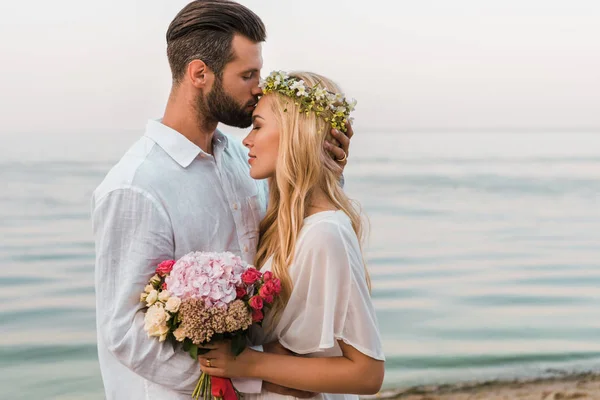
(257, 91)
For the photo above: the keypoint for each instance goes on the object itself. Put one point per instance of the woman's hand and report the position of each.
(219, 361)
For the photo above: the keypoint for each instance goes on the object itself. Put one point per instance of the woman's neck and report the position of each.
(319, 202)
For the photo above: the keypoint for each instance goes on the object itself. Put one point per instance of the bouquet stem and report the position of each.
(202, 388)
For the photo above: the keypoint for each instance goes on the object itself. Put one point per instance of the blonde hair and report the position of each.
(302, 165)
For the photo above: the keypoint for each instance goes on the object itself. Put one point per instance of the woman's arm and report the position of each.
(354, 372)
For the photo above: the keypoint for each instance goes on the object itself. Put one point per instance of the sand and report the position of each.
(583, 386)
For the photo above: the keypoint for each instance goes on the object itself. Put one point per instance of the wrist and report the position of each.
(252, 363)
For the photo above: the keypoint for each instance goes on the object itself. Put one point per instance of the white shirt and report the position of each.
(330, 300)
(165, 197)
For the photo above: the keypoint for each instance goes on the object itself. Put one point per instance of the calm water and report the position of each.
(484, 253)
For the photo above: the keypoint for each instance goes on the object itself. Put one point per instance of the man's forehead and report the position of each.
(247, 54)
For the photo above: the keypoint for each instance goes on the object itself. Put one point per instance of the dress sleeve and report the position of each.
(330, 300)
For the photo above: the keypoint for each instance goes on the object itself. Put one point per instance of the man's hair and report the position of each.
(204, 29)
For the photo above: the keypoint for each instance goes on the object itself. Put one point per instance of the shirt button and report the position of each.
(235, 206)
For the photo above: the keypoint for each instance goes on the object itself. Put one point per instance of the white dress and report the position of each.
(330, 300)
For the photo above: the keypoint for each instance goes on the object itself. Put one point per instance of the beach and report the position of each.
(580, 386)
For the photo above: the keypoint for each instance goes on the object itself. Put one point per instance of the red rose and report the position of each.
(164, 286)
(256, 302)
(240, 292)
(250, 276)
(275, 286)
(265, 290)
(267, 276)
(257, 316)
(268, 299)
(165, 267)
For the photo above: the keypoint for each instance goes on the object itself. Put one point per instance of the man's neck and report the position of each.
(182, 117)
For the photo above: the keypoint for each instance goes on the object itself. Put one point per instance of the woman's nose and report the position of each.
(246, 142)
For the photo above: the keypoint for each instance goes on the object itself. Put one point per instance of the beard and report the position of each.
(221, 107)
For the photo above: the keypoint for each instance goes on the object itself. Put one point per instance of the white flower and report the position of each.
(280, 76)
(179, 335)
(164, 296)
(143, 296)
(299, 87)
(148, 288)
(173, 304)
(155, 321)
(340, 109)
(352, 105)
(320, 93)
(152, 297)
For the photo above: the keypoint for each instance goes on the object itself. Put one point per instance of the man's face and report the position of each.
(232, 98)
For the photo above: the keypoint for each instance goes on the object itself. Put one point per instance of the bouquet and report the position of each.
(205, 297)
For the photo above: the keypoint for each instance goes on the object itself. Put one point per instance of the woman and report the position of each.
(309, 239)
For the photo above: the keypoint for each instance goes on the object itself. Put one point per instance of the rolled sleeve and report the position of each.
(133, 234)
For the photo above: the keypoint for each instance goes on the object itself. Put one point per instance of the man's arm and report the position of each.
(339, 147)
(277, 348)
(133, 234)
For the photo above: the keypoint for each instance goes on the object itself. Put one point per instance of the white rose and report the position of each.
(155, 280)
(152, 297)
(164, 295)
(173, 304)
(179, 335)
(155, 321)
(143, 296)
(148, 288)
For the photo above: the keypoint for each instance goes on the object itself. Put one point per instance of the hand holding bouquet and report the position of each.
(206, 297)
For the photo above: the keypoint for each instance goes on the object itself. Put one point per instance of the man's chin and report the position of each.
(238, 122)
(239, 125)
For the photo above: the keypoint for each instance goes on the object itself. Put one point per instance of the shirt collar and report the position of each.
(177, 146)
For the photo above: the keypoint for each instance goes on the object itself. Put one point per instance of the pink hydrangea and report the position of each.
(211, 277)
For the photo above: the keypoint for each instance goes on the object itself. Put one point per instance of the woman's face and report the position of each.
(263, 141)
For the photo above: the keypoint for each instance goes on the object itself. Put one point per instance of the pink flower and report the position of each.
(268, 299)
(266, 290)
(250, 276)
(274, 286)
(211, 277)
(256, 302)
(267, 276)
(257, 316)
(165, 267)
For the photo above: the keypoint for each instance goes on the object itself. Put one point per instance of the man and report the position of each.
(183, 186)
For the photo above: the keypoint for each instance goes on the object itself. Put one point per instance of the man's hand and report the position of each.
(273, 388)
(339, 149)
(277, 348)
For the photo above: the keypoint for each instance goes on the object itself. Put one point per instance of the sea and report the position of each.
(483, 249)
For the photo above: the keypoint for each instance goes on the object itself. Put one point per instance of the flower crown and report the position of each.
(333, 107)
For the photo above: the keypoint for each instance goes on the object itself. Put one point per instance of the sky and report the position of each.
(77, 67)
